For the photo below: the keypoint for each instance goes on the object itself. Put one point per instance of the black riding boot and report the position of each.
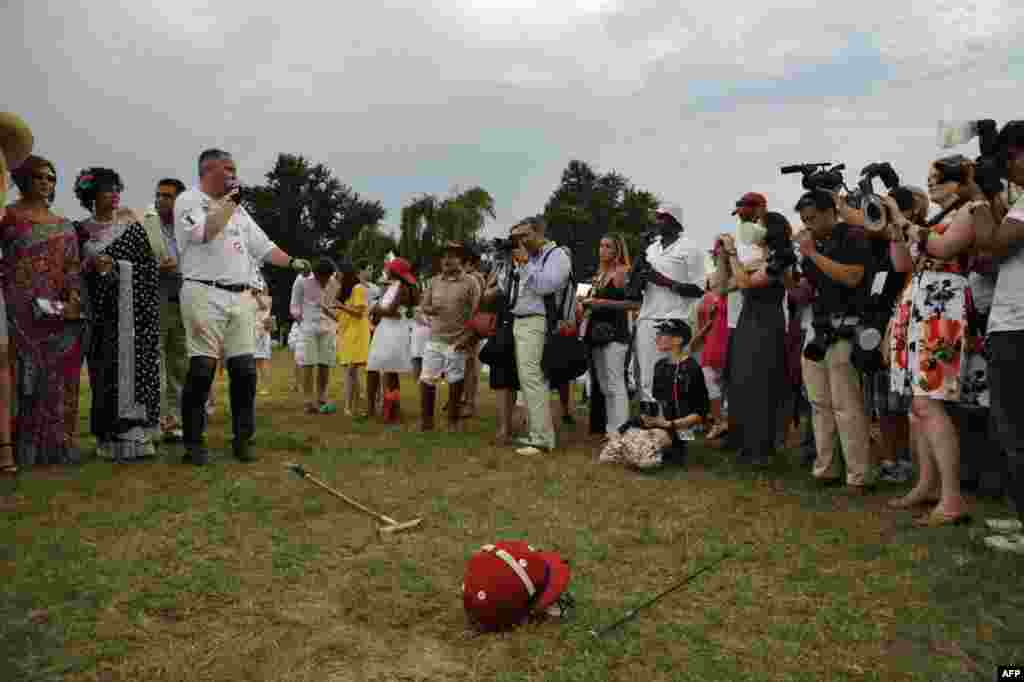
(193, 407)
(243, 377)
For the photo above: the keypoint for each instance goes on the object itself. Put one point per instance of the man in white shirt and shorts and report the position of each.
(218, 241)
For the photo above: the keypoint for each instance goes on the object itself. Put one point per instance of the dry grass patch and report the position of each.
(162, 571)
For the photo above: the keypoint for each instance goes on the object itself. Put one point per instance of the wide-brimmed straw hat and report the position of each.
(16, 139)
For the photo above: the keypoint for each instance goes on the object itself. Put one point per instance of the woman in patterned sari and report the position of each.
(41, 273)
(123, 301)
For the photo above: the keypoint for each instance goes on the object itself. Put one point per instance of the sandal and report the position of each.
(12, 468)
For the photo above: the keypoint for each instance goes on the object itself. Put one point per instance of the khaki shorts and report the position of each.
(442, 362)
(218, 323)
(320, 349)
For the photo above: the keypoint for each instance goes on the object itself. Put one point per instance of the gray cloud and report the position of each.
(698, 104)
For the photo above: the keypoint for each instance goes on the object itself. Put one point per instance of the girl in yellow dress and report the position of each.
(353, 335)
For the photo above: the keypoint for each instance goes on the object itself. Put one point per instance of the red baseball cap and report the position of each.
(507, 581)
(750, 200)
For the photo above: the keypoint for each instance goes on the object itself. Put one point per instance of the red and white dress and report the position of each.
(936, 351)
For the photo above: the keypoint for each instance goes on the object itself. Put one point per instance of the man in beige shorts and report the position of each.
(217, 242)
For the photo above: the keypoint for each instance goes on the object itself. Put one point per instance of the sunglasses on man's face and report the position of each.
(164, 195)
(44, 176)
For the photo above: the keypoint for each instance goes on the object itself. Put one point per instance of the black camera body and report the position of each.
(825, 176)
(825, 334)
(641, 271)
(502, 246)
(779, 260)
(876, 218)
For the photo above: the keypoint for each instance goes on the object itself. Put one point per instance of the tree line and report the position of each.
(308, 211)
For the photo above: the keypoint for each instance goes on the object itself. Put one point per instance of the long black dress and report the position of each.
(122, 345)
(757, 371)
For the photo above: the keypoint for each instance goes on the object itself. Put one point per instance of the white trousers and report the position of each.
(610, 371)
(647, 356)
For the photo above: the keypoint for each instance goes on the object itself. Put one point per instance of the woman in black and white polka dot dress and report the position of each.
(123, 305)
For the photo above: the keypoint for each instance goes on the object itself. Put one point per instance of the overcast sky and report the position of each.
(695, 104)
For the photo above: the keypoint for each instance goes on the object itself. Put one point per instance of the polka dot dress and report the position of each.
(104, 347)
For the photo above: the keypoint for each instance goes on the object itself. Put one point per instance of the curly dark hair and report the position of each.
(92, 181)
(22, 175)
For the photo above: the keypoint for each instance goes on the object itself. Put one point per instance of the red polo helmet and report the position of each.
(507, 581)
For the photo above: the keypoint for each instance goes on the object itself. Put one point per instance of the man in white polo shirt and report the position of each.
(217, 243)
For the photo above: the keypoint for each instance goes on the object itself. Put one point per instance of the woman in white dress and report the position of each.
(264, 324)
(391, 347)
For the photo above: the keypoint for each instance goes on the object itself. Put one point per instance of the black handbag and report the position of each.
(500, 347)
(565, 357)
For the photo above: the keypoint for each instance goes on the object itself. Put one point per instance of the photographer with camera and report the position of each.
(885, 218)
(756, 354)
(1001, 232)
(836, 262)
(667, 277)
(935, 358)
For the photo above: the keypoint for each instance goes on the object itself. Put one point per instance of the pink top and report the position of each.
(714, 307)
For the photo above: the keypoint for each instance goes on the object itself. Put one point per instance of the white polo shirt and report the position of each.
(681, 262)
(227, 259)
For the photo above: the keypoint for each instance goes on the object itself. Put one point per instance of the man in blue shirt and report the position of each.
(545, 273)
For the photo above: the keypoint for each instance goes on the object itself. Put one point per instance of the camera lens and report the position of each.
(869, 339)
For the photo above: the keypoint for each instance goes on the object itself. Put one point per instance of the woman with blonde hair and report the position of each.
(606, 330)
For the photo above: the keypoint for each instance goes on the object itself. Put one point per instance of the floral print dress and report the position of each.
(936, 349)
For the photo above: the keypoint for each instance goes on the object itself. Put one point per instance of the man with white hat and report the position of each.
(671, 276)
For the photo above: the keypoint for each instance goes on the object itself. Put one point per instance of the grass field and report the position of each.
(164, 571)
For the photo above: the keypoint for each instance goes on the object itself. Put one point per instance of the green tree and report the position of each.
(308, 212)
(371, 244)
(429, 221)
(586, 205)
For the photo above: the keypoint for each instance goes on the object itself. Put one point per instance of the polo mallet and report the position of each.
(632, 613)
(391, 526)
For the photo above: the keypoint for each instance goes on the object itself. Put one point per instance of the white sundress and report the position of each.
(391, 346)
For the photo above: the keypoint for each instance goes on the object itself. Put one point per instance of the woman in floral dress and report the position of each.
(936, 355)
(41, 267)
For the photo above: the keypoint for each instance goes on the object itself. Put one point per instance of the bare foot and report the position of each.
(915, 498)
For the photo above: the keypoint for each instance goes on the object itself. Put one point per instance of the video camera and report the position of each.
(827, 176)
(990, 166)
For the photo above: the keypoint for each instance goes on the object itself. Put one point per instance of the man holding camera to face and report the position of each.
(836, 261)
(217, 242)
